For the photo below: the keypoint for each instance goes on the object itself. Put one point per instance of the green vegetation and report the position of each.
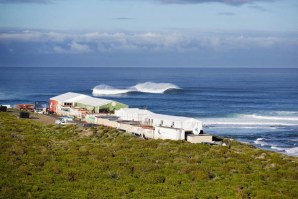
(47, 161)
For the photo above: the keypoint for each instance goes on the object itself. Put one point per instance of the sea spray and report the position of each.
(146, 87)
(108, 90)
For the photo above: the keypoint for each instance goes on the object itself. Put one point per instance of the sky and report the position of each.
(150, 33)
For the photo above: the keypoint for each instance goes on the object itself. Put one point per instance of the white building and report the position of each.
(77, 104)
(147, 124)
(133, 114)
(185, 123)
(165, 123)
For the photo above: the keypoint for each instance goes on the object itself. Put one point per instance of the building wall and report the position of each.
(169, 133)
(199, 138)
(126, 127)
(106, 122)
(88, 107)
(96, 109)
(148, 133)
(53, 106)
(143, 132)
(63, 111)
(111, 106)
(190, 125)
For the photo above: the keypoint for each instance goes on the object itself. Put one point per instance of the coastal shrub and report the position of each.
(48, 161)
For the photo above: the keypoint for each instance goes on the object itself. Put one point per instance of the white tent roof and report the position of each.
(135, 111)
(152, 115)
(81, 98)
(66, 96)
(92, 101)
(172, 118)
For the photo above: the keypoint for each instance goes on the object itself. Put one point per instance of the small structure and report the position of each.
(201, 138)
(190, 125)
(25, 107)
(60, 100)
(3, 108)
(40, 106)
(162, 126)
(24, 114)
(75, 104)
(145, 117)
(161, 132)
(96, 105)
(134, 114)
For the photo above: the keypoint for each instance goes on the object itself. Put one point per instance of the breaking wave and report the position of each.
(286, 150)
(261, 141)
(147, 87)
(273, 130)
(292, 151)
(263, 120)
(289, 151)
(108, 90)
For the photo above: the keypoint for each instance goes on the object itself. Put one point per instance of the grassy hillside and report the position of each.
(38, 160)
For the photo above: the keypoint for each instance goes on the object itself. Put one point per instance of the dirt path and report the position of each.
(46, 119)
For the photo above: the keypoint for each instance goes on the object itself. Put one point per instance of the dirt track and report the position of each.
(46, 119)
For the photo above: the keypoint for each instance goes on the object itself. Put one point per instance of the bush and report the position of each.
(47, 161)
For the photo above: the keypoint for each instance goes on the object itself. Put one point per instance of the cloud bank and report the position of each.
(91, 42)
(181, 48)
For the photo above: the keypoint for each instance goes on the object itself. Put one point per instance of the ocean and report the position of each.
(253, 105)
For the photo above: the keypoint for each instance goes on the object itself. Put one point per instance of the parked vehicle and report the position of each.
(25, 107)
(65, 121)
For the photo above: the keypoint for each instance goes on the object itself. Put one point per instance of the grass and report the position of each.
(47, 161)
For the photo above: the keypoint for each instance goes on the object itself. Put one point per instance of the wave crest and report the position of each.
(146, 87)
(256, 120)
(151, 87)
(108, 90)
(261, 141)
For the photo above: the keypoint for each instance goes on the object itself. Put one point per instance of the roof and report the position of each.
(92, 101)
(152, 115)
(135, 111)
(81, 98)
(172, 118)
(66, 96)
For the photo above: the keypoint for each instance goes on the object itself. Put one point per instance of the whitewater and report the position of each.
(256, 106)
(267, 130)
(146, 87)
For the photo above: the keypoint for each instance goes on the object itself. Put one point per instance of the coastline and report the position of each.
(50, 120)
(51, 160)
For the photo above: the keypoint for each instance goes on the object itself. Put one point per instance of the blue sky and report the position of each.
(196, 33)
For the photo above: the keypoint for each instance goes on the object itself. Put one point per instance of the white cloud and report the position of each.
(79, 48)
(92, 42)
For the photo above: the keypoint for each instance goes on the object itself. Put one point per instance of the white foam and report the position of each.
(151, 87)
(288, 151)
(274, 118)
(264, 120)
(108, 90)
(284, 113)
(292, 151)
(260, 141)
(277, 148)
(147, 87)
